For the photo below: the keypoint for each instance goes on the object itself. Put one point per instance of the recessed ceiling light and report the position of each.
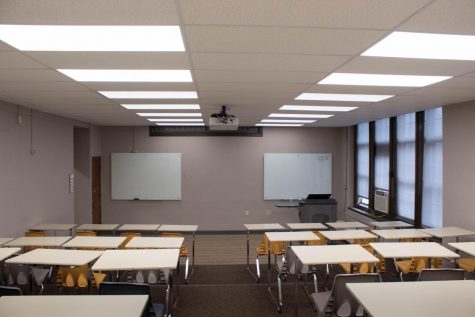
(299, 115)
(342, 97)
(93, 38)
(286, 121)
(161, 107)
(317, 108)
(169, 114)
(179, 124)
(425, 45)
(381, 80)
(176, 120)
(277, 125)
(150, 94)
(129, 75)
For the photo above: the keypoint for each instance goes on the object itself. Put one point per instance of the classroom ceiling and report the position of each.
(254, 56)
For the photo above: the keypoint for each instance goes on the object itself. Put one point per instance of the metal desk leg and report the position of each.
(278, 304)
(248, 266)
(192, 260)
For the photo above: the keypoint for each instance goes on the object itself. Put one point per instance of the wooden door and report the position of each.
(96, 190)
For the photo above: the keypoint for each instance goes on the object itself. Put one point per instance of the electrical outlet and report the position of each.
(268, 212)
(246, 212)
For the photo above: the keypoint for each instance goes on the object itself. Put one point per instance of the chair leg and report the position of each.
(186, 270)
(258, 269)
(279, 287)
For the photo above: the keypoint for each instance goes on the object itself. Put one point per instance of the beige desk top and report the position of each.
(291, 236)
(347, 234)
(421, 299)
(412, 249)
(467, 247)
(5, 240)
(178, 228)
(333, 254)
(263, 226)
(98, 227)
(155, 243)
(56, 257)
(5, 253)
(346, 225)
(137, 227)
(37, 242)
(391, 224)
(448, 232)
(307, 226)
(73, 305)
(401, 233)
(95, 242)
(53, 227)
(149, 259)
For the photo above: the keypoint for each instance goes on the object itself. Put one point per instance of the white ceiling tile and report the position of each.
(282, 62)
(17, 60)
(51, 86)
(443, 16)
(346, 89)
(379, 14)
(92, 12)
(246, 87)
(257, 76)
(443, 92)
(140, 86)
(5, 47)
(57, 95)
(19, 75)
(113, 60)
(279, 40)
(249, 95)
(457, 82)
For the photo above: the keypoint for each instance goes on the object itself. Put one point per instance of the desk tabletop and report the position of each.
(291, 236)
(401, 234)
(73, 305)
(5, 240)
(412, 249)
(467, 247)
(98, 227)
(422, 299)
(390, 224)
(307, 226)
(5, 253)
(178, 228)
(95, 242)
(347, 235)
(56, 257)
(54, 226)
(147, 259)
(448, 232)
(38, 241)
(333, 254)
(346, 225)
(263, 226)
(138, 227)
(155, 243)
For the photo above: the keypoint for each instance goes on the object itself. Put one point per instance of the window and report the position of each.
(362, 157)
(432, 169)
(381, 161)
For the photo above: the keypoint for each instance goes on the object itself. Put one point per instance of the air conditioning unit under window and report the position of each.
(381, 200)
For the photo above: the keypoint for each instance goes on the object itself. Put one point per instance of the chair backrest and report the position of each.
(74, 277)
(441, 275)
(10, 291)
(120, 288)
(35, 234)
(276, 247)
(86, 233)
(343, 300)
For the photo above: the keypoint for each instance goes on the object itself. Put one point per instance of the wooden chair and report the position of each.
(363, 267)
(86, 233)
(77, 277)
(276, 248)
(129, 236)
(414, 265)
(322, 241)
(33, 234)
(183, 250)
(467, 264)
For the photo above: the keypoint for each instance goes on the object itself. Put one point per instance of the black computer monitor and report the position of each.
(318, 196)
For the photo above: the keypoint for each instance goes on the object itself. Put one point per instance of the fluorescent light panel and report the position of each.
(169, 114)
(277, 125)
(176, 120)
(129, 75)
(343, 97)
(300, 115)
(161, 107)
(150, 94)
(286, 121)
(381, 80)
(93, 38)
(181, 124)
(425, 45)
(316, 108)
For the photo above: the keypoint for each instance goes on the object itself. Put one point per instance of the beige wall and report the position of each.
(221, 176)
(34, 188)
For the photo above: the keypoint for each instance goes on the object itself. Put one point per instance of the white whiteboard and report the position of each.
(146, 176)
(295, 175)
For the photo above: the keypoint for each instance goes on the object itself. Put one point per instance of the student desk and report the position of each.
(137, 227)
(95, 242)
(135, 260)
(421, 299)
(397, 234)
(185, 229)
(467, 247)
(54, 227)
(97, 227)
(307, 226)
(340, 225)
(5, 240)
(448, 232)
(73, 305)
(330, 254)
(347, 235)
(259, 227)
(155, 243)
(37, 242)
(390, 224)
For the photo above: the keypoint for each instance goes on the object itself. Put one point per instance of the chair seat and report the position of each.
(404, 266)
(468, 264)
(321, 300)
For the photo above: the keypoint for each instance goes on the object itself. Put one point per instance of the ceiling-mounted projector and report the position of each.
(223, 121)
